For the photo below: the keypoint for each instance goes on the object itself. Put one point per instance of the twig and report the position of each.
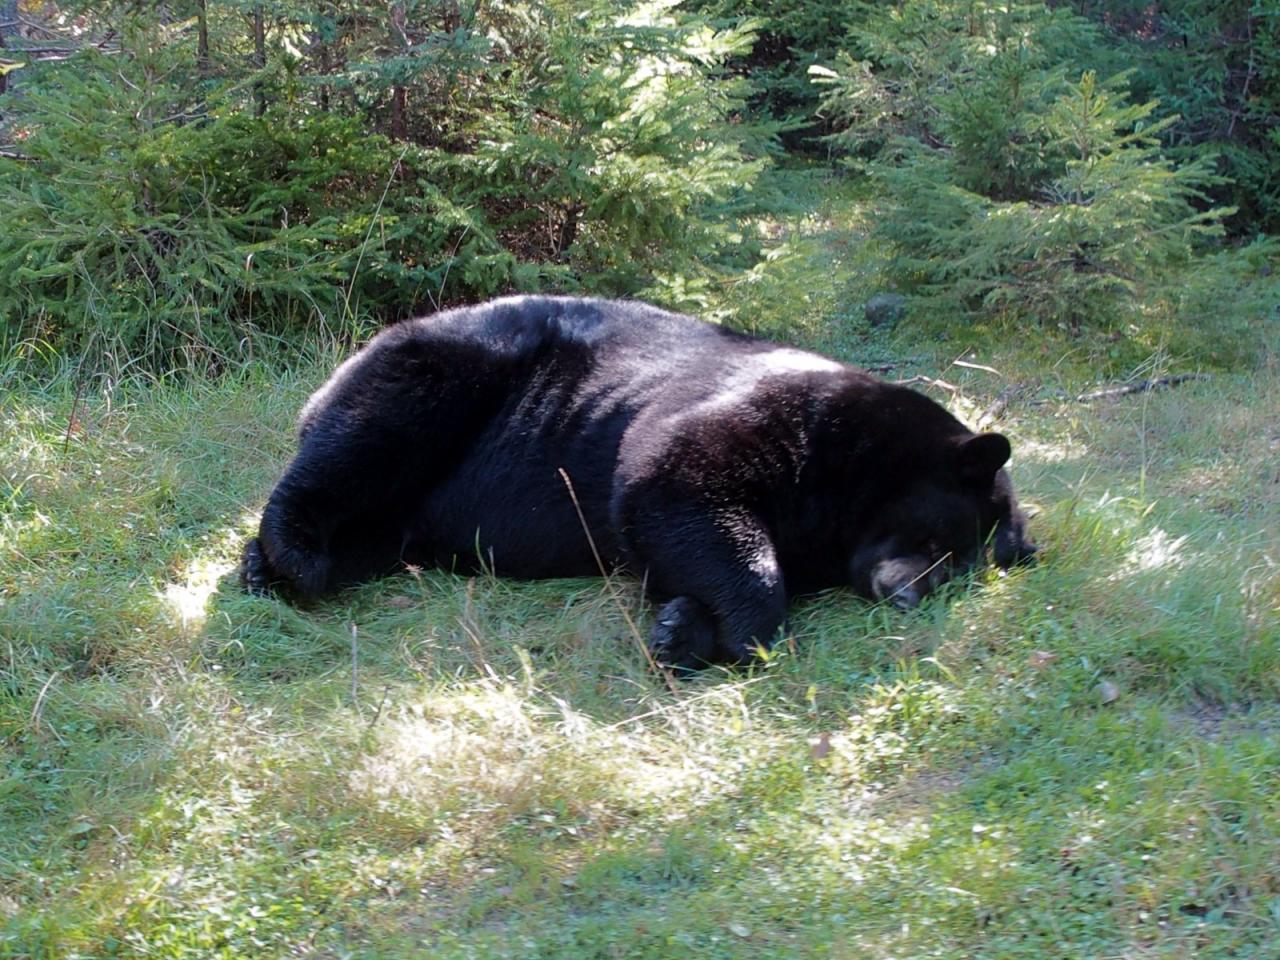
(355, 666)
(891, 365)
(71, 419)
(439, 297)
(927, 381)
(346, 300)
(608, 582)
(386, 691)
(1001, 403)
(975, 366)
(1142, 386)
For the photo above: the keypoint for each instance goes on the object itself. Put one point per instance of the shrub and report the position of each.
(793, 35)
(160, 208)
(1008, 187)
(131, 234)
(1110, 215)
(611, 146)
(1216, 64)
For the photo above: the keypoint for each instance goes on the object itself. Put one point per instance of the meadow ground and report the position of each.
(1078, 760)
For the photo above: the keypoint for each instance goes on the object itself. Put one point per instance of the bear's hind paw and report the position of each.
(683, 638)
(255, 573)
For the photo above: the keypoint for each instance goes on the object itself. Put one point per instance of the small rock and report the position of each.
(1107, 692)
(1042, 658)
(886, 309)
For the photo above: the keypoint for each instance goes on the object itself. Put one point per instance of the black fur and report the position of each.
(731, 473)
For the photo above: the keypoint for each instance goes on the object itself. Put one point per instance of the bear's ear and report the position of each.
(980, 456)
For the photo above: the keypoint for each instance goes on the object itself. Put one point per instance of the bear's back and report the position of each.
(518, 325)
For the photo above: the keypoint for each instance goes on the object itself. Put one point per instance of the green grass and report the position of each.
(1081, 759)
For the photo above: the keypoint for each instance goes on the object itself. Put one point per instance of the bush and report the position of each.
(1216, 64)
(132, 234)
(1008, 187)
(793, 36)
(610, 147)
(154, 211)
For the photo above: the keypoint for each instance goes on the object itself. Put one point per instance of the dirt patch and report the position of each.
(1215, 722)
(917, 794)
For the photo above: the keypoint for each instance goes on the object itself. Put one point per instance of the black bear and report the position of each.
(729, 472)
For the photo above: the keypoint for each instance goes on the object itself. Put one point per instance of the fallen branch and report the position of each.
(928, 382)
(975, 366)
(1142, 386)
(1001, 403)
(891, 365)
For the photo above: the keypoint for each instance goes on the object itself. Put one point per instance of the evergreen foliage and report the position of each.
(1009, 186)
(132, 235)
(793, 36)
(1216, 65)
(201, 175)
(164, 201)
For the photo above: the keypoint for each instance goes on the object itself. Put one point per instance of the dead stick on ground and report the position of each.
(1142, 386)
(927, 381)
(1000, 404)
(891, 365)
(355, 672)
(976, 366)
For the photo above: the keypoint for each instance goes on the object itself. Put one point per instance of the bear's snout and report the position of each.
(905, 581)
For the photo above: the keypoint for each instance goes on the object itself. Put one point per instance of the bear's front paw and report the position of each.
(255, 573)
(683, 638)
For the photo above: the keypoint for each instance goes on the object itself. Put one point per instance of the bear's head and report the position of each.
(940, 523)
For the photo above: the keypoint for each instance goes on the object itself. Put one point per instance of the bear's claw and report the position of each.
(255, 572)
(683, 638)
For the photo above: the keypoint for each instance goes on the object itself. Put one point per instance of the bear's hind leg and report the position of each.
(387, 427)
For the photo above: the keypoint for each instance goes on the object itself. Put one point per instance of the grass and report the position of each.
(1076, 760)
